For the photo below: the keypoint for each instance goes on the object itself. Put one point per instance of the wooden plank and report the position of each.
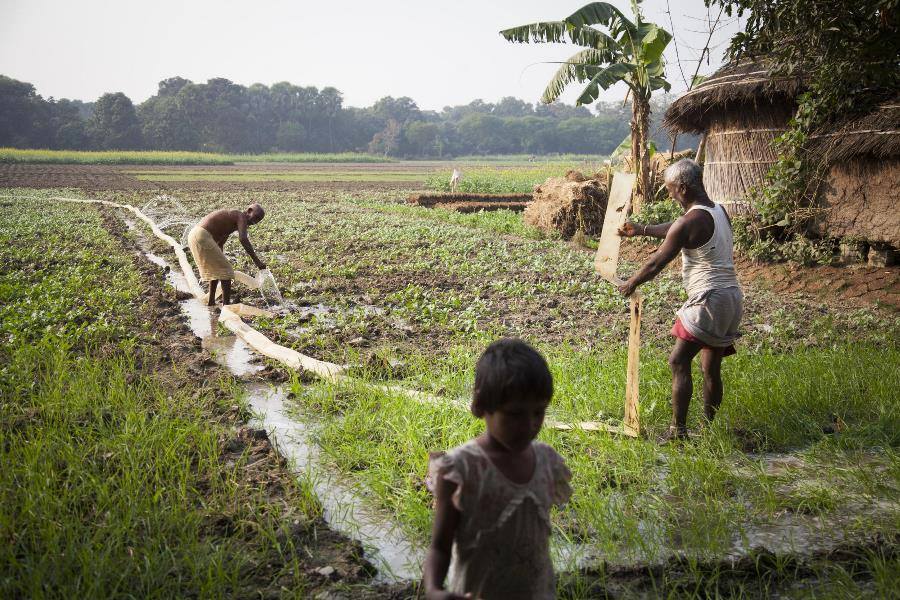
(632, 377)
(591, 426)
(606, 261)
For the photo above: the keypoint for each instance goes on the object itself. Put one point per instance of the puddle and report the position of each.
(394, 555)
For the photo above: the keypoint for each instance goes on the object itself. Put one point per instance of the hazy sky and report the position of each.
(438, 53)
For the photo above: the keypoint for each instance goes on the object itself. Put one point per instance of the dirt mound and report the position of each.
(564, 205)
(436, 198)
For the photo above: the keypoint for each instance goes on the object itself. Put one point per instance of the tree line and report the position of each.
(222, 116)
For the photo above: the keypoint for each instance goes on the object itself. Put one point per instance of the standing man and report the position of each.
(707, 324)
(207, 239)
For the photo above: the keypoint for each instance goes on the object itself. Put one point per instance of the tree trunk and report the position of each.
(640, 158)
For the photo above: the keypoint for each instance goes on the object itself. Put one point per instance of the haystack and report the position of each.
(741, 109)
(563, 205)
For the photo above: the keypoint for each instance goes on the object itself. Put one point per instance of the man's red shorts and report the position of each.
(679, 331)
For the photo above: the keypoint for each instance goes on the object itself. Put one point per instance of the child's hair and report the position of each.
(509, 369)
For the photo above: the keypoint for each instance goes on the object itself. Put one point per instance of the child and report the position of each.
(493, 493)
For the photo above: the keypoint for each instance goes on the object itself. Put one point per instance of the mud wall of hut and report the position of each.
(860, 199)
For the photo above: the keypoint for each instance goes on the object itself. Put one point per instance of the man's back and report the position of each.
(221, 223)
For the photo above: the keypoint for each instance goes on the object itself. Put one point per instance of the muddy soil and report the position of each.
(761, 574)
(105, 177)
(169, 349)
(470, 207)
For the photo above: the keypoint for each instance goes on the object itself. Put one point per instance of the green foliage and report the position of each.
(628, 52)
(661, 211)
(220, 116)
(114, 124)
(854, 66)
(519, 180)
(76, 285)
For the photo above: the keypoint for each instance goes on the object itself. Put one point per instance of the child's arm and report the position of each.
(446, 520)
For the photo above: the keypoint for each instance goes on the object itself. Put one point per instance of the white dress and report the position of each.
(501, 549)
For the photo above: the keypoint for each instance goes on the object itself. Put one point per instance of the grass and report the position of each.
(142, 157)
(415, 294)
(113, 483)
(518, 179)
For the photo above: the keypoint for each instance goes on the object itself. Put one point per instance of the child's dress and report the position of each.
(501, 549)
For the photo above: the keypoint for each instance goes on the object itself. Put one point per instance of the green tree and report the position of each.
(290, 137)
(628, 51)
(423, 138)
(22, 114)
(114, 124)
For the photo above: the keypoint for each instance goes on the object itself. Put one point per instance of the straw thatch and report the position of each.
(735, 88)
(875, 135)
(565, 206)
(741, 109)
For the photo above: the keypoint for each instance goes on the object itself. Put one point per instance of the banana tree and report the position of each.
(614, 49)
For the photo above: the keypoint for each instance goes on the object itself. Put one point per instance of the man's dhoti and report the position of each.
(210, 259)
(711, 318)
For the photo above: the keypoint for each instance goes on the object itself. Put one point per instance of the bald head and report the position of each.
(255, 213)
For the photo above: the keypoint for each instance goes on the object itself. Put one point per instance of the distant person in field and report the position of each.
(454, 180)
(707, 324)
(207, 239)
(493, 494)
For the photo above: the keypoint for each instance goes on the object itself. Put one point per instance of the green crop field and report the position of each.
(510, 178)
(802, 459)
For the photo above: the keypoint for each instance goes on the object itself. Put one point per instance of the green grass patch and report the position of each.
(113, 487)
(517, 179)
(113, 483)
(632, 500)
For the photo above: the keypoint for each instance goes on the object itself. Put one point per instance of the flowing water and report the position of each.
(396, 557)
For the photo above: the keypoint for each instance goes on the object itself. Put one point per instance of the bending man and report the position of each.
(707, 324)
(207, 239)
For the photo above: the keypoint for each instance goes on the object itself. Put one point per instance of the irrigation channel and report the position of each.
(397, 557)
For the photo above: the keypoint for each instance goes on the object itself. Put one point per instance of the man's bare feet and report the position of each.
(674, 434)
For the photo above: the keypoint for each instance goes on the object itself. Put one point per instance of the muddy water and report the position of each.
(396, 557)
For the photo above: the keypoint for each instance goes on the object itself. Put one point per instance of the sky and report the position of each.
(437, 53)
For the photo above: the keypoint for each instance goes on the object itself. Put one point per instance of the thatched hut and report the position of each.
(741, 109)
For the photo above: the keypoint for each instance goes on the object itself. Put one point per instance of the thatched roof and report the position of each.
(746, 88)
(735, 87)
(876, 134)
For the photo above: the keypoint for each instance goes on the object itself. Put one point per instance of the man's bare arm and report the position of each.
(245, 241)
(674, 242)
(630, 229)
